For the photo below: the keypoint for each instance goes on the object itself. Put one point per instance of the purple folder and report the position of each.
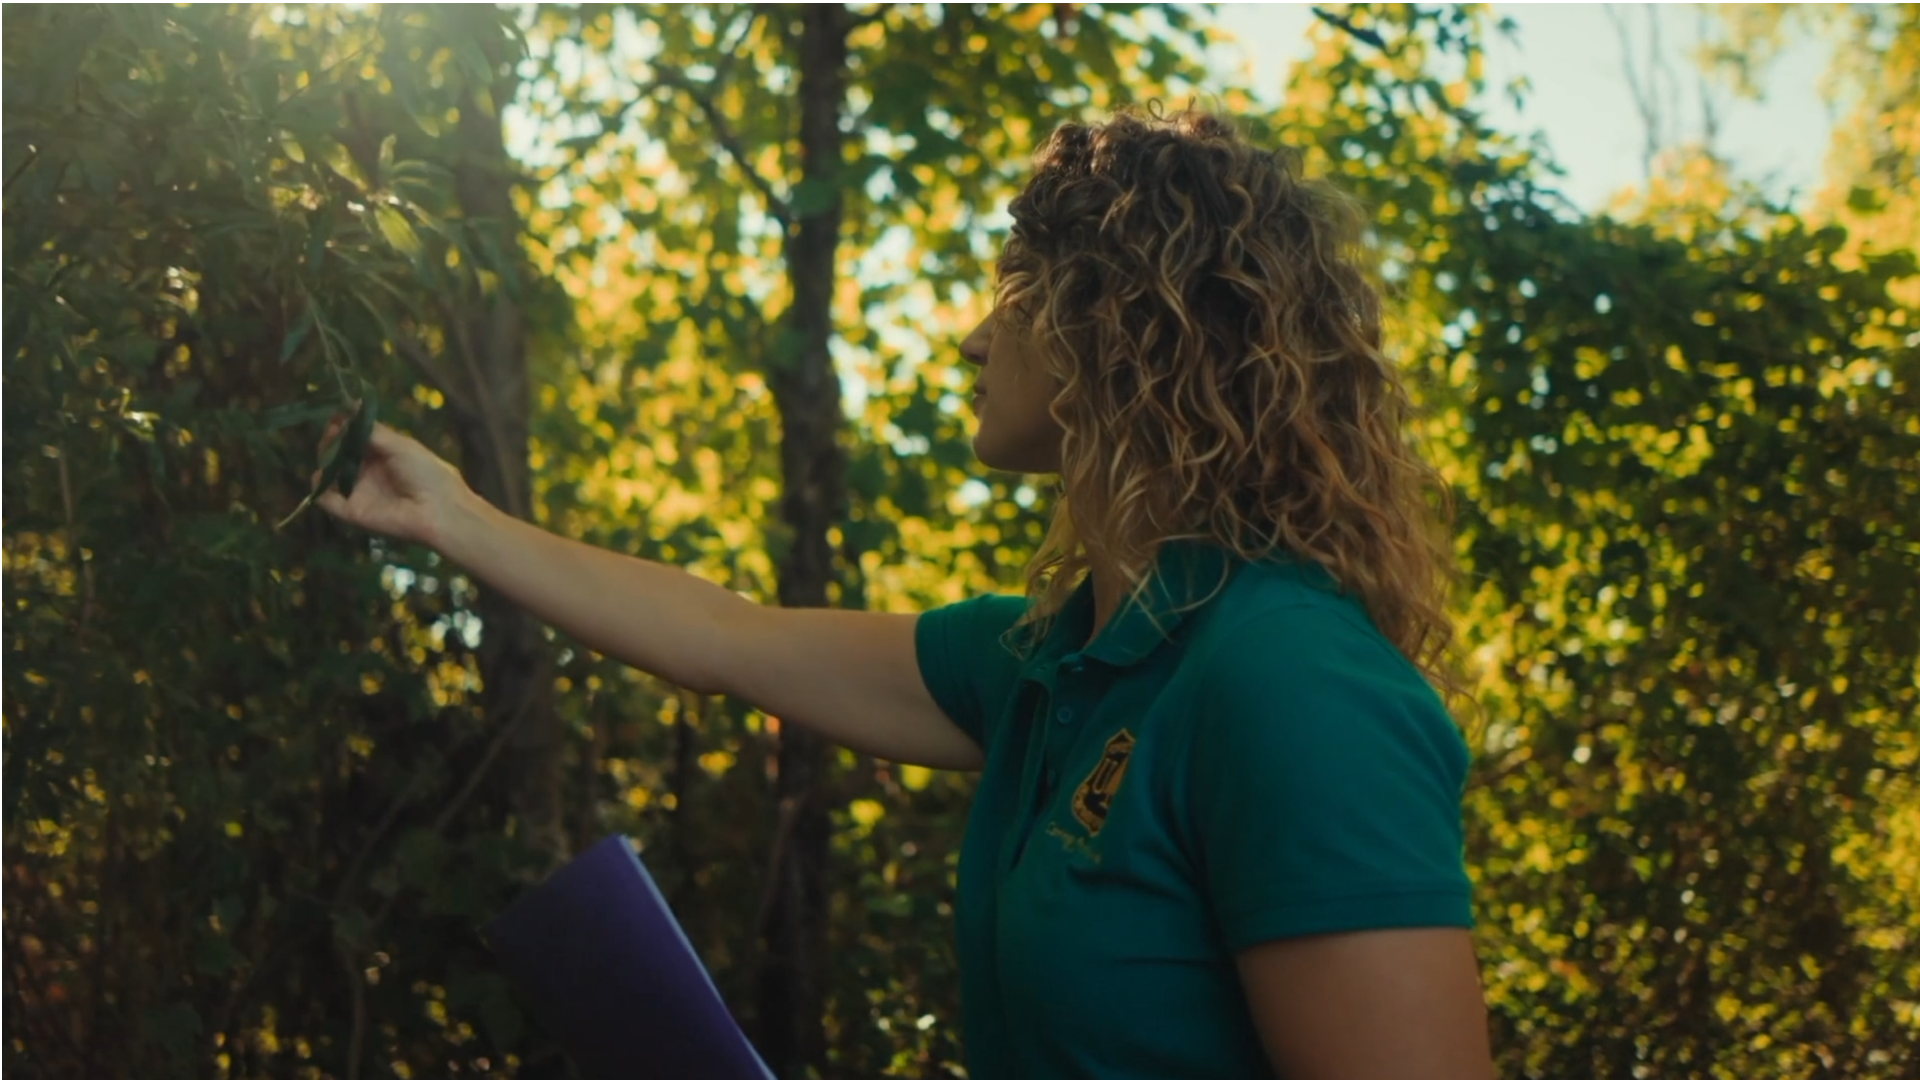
(601, 963)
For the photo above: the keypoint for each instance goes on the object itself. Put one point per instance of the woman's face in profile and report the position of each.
(1011, 400)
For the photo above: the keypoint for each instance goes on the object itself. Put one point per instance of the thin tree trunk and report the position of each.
(806, 391)
(488, 335)
(686, 758)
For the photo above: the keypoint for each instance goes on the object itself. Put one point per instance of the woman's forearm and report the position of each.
(655, 617)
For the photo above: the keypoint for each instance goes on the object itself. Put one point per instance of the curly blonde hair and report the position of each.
(1213, 318)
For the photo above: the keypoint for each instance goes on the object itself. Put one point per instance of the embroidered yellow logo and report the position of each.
(1095, 796)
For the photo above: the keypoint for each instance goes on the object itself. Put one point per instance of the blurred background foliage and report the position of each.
(260, 787)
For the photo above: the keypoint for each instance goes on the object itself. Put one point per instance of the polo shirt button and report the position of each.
(1064, 716)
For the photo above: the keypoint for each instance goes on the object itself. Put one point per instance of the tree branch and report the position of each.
(26, 972)
(453, 806)
(730, 51)
(485, 413)
(83, 569)
(609, 122)
(33, 153)
(350, 878)
(1063, 20)
(776, 862)
(499, 741)
(357, 986)
(723, 133)
(1341, 22)
(672, 78)
(1642, 92)
(346, 951)
(437, 375)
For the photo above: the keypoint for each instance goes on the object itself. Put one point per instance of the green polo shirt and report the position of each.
(1263, 766)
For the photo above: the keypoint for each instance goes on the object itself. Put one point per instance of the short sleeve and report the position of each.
(963, 661)
(1326, 783)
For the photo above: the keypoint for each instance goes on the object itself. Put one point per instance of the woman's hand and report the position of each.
(404, 490)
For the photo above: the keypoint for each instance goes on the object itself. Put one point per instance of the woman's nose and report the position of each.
(974, 347)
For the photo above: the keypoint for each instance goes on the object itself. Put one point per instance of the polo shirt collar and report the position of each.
(1186, 574)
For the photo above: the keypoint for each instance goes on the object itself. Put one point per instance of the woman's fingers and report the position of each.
(385, 439)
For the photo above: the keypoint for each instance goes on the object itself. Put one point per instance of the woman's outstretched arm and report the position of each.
(851, 676)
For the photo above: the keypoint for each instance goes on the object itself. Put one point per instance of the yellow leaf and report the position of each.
(866, 812)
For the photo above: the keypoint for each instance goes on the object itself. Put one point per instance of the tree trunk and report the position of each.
(487, 337)
(806, 392)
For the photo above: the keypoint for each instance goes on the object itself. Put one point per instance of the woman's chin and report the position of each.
(992, 454)
(1010, 459)
(984, 452)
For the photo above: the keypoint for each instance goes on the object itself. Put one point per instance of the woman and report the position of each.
(1217, 831)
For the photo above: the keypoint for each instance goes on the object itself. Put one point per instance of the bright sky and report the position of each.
(1571, 53)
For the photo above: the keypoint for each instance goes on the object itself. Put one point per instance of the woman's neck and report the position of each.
(1110, 586)
(1109, 591)
(1108, 583)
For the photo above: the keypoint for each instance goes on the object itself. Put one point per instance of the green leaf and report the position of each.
(397, 231)
(285, 416)
(213, 954)
(263, 82)
(16, 328)
(473, 62)
(351, 926)
(421, 858)
(353, 444)
(175, 1027)
(867, 474)
(297, 335)
(501, 1015)
(319, 230)
(341, 463)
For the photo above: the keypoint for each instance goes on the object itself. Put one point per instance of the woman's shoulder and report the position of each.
(1292, 663)
(1297, 597)
(1291, 617)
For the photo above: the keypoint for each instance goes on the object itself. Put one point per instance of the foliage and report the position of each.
(1687, 462)
(251, 809)
(239, 827)
(1701, 603)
